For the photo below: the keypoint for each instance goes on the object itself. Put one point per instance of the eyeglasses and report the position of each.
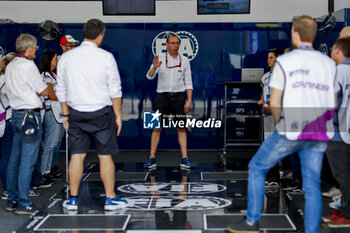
(166, 62)
(35, 47)
(174, 43)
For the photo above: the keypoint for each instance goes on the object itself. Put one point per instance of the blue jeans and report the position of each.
(6, 145)
(22, 160)
(52, 131)
(275, 148)
(57, 149)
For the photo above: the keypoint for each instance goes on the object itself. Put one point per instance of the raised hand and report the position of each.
(156, 62)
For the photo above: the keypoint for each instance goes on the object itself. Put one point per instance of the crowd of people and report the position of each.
(38, 105)
(29, 160)
(305, 91)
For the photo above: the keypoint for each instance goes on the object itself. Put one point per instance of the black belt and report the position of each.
(26, 110)
(172, 93)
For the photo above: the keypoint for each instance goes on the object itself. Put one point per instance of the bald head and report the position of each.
(345, 32)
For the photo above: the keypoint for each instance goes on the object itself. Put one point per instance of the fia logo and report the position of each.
(151, 120)
(144, 203)
(188, 47)
(198, 188)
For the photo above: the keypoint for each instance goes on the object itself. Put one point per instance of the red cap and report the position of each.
(68, 39)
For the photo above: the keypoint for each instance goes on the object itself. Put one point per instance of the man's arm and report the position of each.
(152, 72)
(188, 103)
(65, 112)
(276, 104)
(155, 64)
(188, 87)
(277, 88)
(117, 108)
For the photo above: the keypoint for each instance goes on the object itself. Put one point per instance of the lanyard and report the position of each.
(20, 55)
(268, 82)
(166, 62)
(346, 62)
(306, 47)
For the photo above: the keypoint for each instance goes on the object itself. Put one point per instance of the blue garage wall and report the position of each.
(224, 48)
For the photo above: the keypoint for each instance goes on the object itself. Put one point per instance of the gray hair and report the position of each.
(25, 41)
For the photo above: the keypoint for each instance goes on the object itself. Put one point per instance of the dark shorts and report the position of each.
(98, 125)
(171, 104)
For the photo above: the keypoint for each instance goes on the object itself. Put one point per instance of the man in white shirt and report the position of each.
(338, 151)
(24, 85)
(303, 90)
(89, 90)
(174, 78)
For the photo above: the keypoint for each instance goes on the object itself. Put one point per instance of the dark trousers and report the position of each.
(338, 154)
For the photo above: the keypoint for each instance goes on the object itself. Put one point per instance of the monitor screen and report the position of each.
(223, 6)
(129, 7)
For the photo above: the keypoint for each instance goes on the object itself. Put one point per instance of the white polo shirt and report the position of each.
(87, 78)
(23, 84)
(174, 74)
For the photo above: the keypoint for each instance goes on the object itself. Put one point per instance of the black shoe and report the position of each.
(293, 184)
(53, 176)
(58, 171)
(243, 227)
(47, 183)
(11, 206)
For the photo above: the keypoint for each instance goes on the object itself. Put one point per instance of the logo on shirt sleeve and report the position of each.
(151, 120)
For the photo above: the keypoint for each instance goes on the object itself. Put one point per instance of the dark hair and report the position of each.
(344, 45)
(46, 58)
(93, 28)
(276, 51)
(306, 26)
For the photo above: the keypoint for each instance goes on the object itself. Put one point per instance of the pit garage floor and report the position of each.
(168, 199)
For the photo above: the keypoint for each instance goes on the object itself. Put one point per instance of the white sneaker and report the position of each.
(336, 198)
(71, 203)
(115, 203)
(332, 192)
(335, 204)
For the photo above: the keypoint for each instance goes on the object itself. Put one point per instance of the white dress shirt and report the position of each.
(87, 78)
(174, 74)
(23, 84)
